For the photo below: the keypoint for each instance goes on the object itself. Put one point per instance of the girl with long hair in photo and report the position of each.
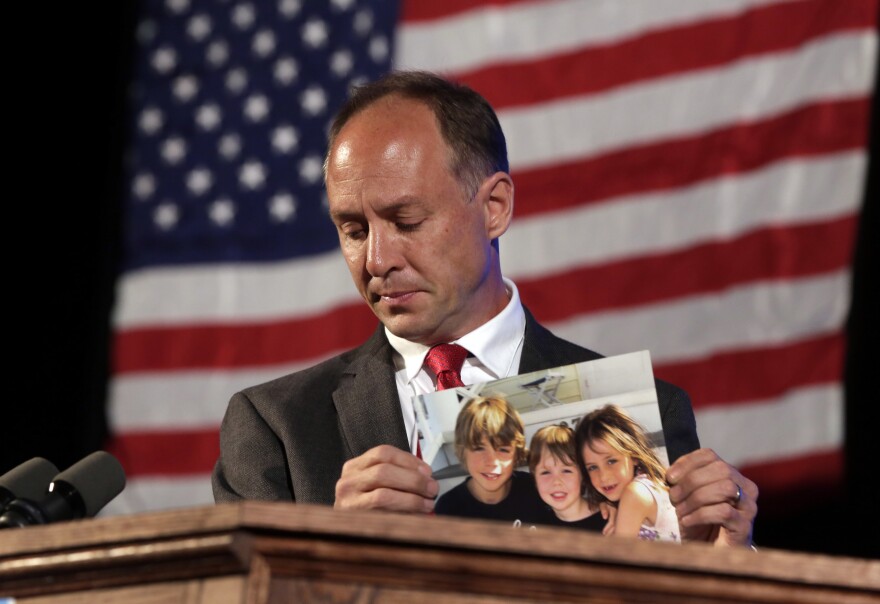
(623, 470)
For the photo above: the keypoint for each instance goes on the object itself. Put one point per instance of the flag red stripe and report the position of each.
(414, 11)
(757, 374)
(769, 253)
(775, 252)
(785, 481)
(808, 131)
(241, 345)
(172, 453)
(589, 70)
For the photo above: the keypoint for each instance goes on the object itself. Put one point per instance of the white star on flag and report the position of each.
(284, 138)
(198, 181)
(208, 116)
(243, 16)
(164, 60)
(229, 146)
(144, 185)
(217, 53)
(282, 207)
(151, 120)
(256, 107)
(286, 70)
(199, 27)
(264, 43)
(252, 175)
(341, 62)
(173, 150)
(166, 215)
(236, 80)
(222, 211)
(311, 169)
(186, 87)
(313, 100)
(314, 33)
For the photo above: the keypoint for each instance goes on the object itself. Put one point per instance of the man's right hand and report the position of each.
(386, 478)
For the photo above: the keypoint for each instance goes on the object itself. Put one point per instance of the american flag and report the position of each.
(688, 180)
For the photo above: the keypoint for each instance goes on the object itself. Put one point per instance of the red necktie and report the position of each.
(445, 360)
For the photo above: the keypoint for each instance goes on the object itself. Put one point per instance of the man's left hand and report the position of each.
(714, 502)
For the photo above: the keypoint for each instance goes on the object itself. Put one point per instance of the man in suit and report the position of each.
(419, 189)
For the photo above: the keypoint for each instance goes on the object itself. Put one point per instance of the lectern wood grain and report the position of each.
(258, 552)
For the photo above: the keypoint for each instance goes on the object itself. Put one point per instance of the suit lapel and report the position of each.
(543, 350)
(367, 402)
(366, 398)
(535, 345)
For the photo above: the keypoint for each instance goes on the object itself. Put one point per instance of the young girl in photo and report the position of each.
(623, 470)
(553, 464)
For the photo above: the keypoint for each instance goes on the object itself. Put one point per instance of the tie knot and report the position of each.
(446, 360)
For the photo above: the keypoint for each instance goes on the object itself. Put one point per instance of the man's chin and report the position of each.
(404, 325)
(412, 331)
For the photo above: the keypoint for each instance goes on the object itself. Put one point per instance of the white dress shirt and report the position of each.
(495, 349)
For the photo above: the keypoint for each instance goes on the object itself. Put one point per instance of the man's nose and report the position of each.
(382, 254)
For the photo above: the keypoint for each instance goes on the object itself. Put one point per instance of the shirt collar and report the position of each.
(493, 343)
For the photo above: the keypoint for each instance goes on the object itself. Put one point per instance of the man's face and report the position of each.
(490, 469)
(420, 253)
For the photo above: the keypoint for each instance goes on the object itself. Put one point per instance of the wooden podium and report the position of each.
(273, 552)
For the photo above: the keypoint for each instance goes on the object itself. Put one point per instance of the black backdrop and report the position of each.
(67, 93)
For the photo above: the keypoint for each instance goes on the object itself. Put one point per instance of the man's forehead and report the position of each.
(393, 158)
(387, 120)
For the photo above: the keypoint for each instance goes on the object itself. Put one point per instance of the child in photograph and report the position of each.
(553, 464)
(490, 442)
(623, 470)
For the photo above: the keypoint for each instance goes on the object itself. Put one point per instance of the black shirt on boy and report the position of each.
(522, 506)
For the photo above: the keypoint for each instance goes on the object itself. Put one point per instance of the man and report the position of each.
(419, 190)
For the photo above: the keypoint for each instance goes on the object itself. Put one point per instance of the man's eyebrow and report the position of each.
(343, 216)
(389, 208)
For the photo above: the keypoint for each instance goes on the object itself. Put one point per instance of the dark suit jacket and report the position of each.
(287, 439)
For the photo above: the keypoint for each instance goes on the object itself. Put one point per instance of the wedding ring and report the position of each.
(739, 494)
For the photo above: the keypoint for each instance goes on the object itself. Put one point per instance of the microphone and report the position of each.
(78, 492)
(26, 481)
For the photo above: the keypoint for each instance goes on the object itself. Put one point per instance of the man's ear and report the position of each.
(496, 195)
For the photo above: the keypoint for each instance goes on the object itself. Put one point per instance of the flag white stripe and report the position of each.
(749, 316)
(234, 292)
(184, 400)
(473, 39)
(833, 67)
(777, 311)
(803, 421)
(789, 192)
(144, 494)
